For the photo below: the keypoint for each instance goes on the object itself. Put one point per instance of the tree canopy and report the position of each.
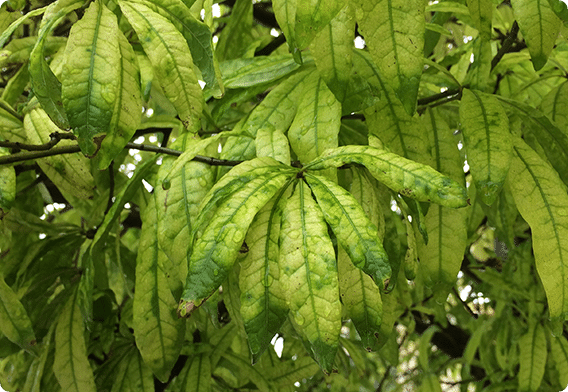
(377, 189)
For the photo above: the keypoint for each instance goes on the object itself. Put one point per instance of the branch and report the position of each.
(56, 137)
(506, 45)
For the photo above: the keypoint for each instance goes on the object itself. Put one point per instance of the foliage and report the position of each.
(183, 184)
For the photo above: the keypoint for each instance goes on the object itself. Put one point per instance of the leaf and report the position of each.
(309, 275)
(71, 173)
(285, 13)
(7, 185)
(481, 12)
(406, 177)
(133, 375)
(171, 60)
(18, 22)
(289, 372)
(394, 33)
(195, 375)
(352, 228)
(487, 140)
(311, 17)
(332, 49)
(14, 321)
(126, 116)
(159, 333)
(541, 199)
(90, 73)
(247, 370)
(249, 72)
(238, 37)
(540, 27)
(478, 75)
(533, 358)
(559, 8)
(71, 365)
(559, 351)
(554, 106)
(272, 144)
(263, 305)
(218, 244)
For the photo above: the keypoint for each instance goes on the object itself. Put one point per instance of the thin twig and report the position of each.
(475, 316)
(436, 97)
(4, 105)
(56, 137)
(111, 187)
(506, 45)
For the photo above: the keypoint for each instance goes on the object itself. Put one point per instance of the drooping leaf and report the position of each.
(352, 228)
(309, 275)
(539, 25)
(218, 244)
(481, 12)
(406, 177)
(90, 72)
(18, 22)
(171, 60)
(71, 365)
(487, 140)
(249, 72)
(263, 307)
(533, 358)
(14, 321)
(133, 374)
(195, 375)
(7, 185)
(246, 370)
(555, 106)
(541, 199)
(71, 173)
(285, 14)
(394, 33)
(311, 17)
(559, 350)
(158, 331)
(238, 37)
(126, 116)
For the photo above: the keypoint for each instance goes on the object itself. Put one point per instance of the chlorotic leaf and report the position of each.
(481, 12)
(195, 375)
(541, 198)
(478, 74)
(71, 365)
(532, 358)
(263, 306)
(133, 375)
(158, 331)
(540, 27)
(217, 245)
(394, 33)
(18, 22)
(92, 65)
(171, 60)
(309, 274)
(312, 17)
(272, 144)
(406, 177)
(71, 173)
(14, 321)
(352, 228)
(285, 13)
(249, 72)
(235, 43)
(555, 106)
(487, 140)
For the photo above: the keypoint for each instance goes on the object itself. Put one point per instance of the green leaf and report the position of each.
(249, 72)
(18, 22)
(14, 321)
(195, 375)
(311, 17)
(532, 358)
(126, 116)
(263, 305)
(71, 365)
(71, 173)
(406, 177)
(487, 140)
(171, 60)
(394, 33)
(285, 13)
(559, 351)
(158, 331)
(332, 50)
(309, 275)
(218, 244)
(481, 12)
(7, 185)
(90, 73)
(133, 375)
(238, 37)
(540, 27)
(541, 199)
(352, 228)
(478, 74)
(555, 106)
(560, 9)
(245, 369)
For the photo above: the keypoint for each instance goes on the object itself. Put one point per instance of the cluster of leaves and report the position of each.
(395, 212)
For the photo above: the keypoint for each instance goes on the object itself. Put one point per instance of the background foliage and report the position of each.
(378, 187)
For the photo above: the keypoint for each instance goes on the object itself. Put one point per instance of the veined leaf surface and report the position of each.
(406, 177)
(274, 144)
(555, 106)
(7, 185)
(195, 375)
(218, 244)
(133, 375)
(481, 12)
(394, 32)
(532, 358)
(312, 17)
(559, 350)
(540, 27)
(90, 72)
(352, 228)
(541, 198)
(15, 323)
(171, 59)
(158, 331)
(487, 140)
(309, 275)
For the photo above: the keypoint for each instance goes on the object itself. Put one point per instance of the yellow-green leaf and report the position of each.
(542, 200)
(540, 27)
(272, 143)
(7, 185)
(477, 77)
(132, 374)
(14, 321)
(532, 358)
(406, 177)
(90, 72)
(171, 59)
(309, 275)
(158, 331)
(481, 12)
(487, 141)
(559, 351)
(285, 13)
(71, 365)
(238, 32)
(195, 375)
(394, 34)
(70, 172)
(555, 106)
